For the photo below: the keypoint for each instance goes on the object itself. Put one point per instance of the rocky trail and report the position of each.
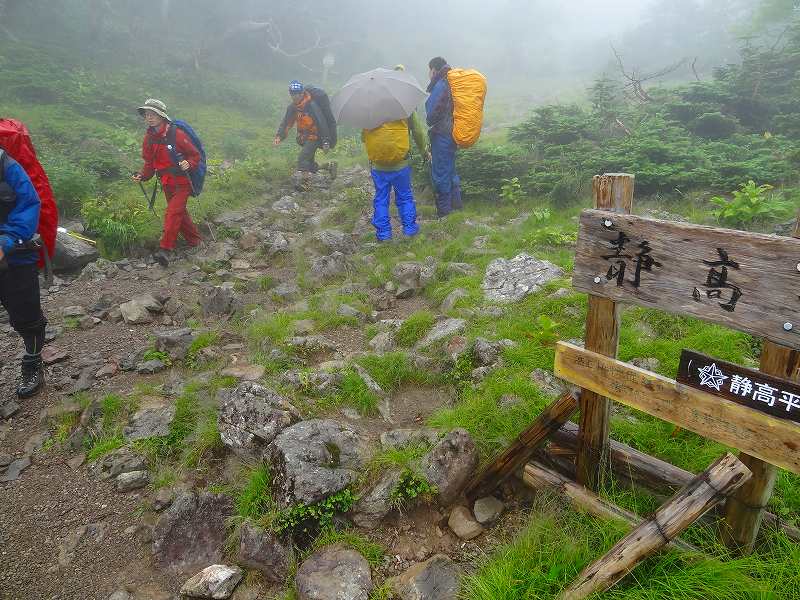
(123, 480)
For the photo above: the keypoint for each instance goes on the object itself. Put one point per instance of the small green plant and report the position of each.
(307, 518)
(548, 330)
(511, 190)
(71, 323)
(411, 488)
(414, 328)
(101, 447)
(153, 354)
(203, 340)
(266, 283)
(751, 204)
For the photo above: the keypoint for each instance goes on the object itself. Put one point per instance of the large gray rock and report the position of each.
(192, 531)
(450, 464)
(334, 573)
(464, 524)
(220, 300)
(438, 578)
(175, 342)
(263, 551)
(250, 417)
(373, 506)
(72, 254)
(335, 241)
(135, 313)
(127, 482)
(449, 303)
(216, 582)
(150, 421)
(314, 459)
(510, 280)
(441, 331)
(117, 462)
(407, 274)
(328, 267)
(488, 353)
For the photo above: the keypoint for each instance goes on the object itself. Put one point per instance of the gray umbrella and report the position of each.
(373, 98)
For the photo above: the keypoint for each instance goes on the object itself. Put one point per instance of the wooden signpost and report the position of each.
(746, 281)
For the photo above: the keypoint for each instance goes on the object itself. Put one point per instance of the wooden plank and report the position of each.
(703, 493)
(612, 192)
(634, 468)
(744, 512)
(537, 476)
(516, 455)
(772, 395)
(773, 440)
(745, 281)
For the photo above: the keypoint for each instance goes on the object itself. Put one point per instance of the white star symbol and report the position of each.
(712, 377)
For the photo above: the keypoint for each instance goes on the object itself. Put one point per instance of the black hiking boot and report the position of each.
(32, 376)
(162, 257)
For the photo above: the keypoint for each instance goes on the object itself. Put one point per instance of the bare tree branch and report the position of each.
(635, 80)
(694, 70)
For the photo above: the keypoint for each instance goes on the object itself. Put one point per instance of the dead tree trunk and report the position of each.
(704, 492)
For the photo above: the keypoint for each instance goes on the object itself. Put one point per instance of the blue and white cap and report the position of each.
(295, 87)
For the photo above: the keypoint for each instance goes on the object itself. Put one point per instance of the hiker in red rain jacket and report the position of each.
(177, 186)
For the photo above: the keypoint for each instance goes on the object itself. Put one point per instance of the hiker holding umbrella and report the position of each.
(159, 153)
(382, 102)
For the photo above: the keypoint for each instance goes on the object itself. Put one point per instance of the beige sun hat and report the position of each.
(157, 106)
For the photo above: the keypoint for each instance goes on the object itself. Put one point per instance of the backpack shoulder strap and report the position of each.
(3, 155)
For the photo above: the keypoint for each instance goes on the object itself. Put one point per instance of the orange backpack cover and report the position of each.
(468, 88)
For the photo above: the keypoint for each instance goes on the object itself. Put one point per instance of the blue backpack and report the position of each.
(196, 176)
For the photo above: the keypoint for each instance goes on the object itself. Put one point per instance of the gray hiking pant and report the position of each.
(305, 161)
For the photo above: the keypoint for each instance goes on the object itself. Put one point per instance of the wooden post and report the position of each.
(553, 417)
(538, 476)
(703, 493)
(632, 468)
(612, 191)
(744, 511)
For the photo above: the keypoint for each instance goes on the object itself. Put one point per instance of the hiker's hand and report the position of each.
(326, 146)
(184, 165)
(277, 140)
(2, 255)
(428, 157)
(136, 177)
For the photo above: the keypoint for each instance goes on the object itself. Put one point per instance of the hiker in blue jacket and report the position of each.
(439, 108)
(19, 273)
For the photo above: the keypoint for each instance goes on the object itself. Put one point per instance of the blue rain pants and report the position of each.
(403, 197)
(446, 181)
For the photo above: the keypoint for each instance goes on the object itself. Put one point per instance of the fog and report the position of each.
(528, 48)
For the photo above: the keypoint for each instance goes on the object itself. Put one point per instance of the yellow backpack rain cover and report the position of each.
(389, 143)
(468, 88)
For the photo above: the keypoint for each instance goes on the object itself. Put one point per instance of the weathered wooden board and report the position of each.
(773, 440)
(749, 387)
(746, 281)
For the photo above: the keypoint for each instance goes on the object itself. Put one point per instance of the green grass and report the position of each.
(414, 328)
(370, 550)
(353, 392)
(405, 457)
(102, 446)
(393, 369)
(546, 555)
(254, 500)
(203, 340)
(275, 328)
